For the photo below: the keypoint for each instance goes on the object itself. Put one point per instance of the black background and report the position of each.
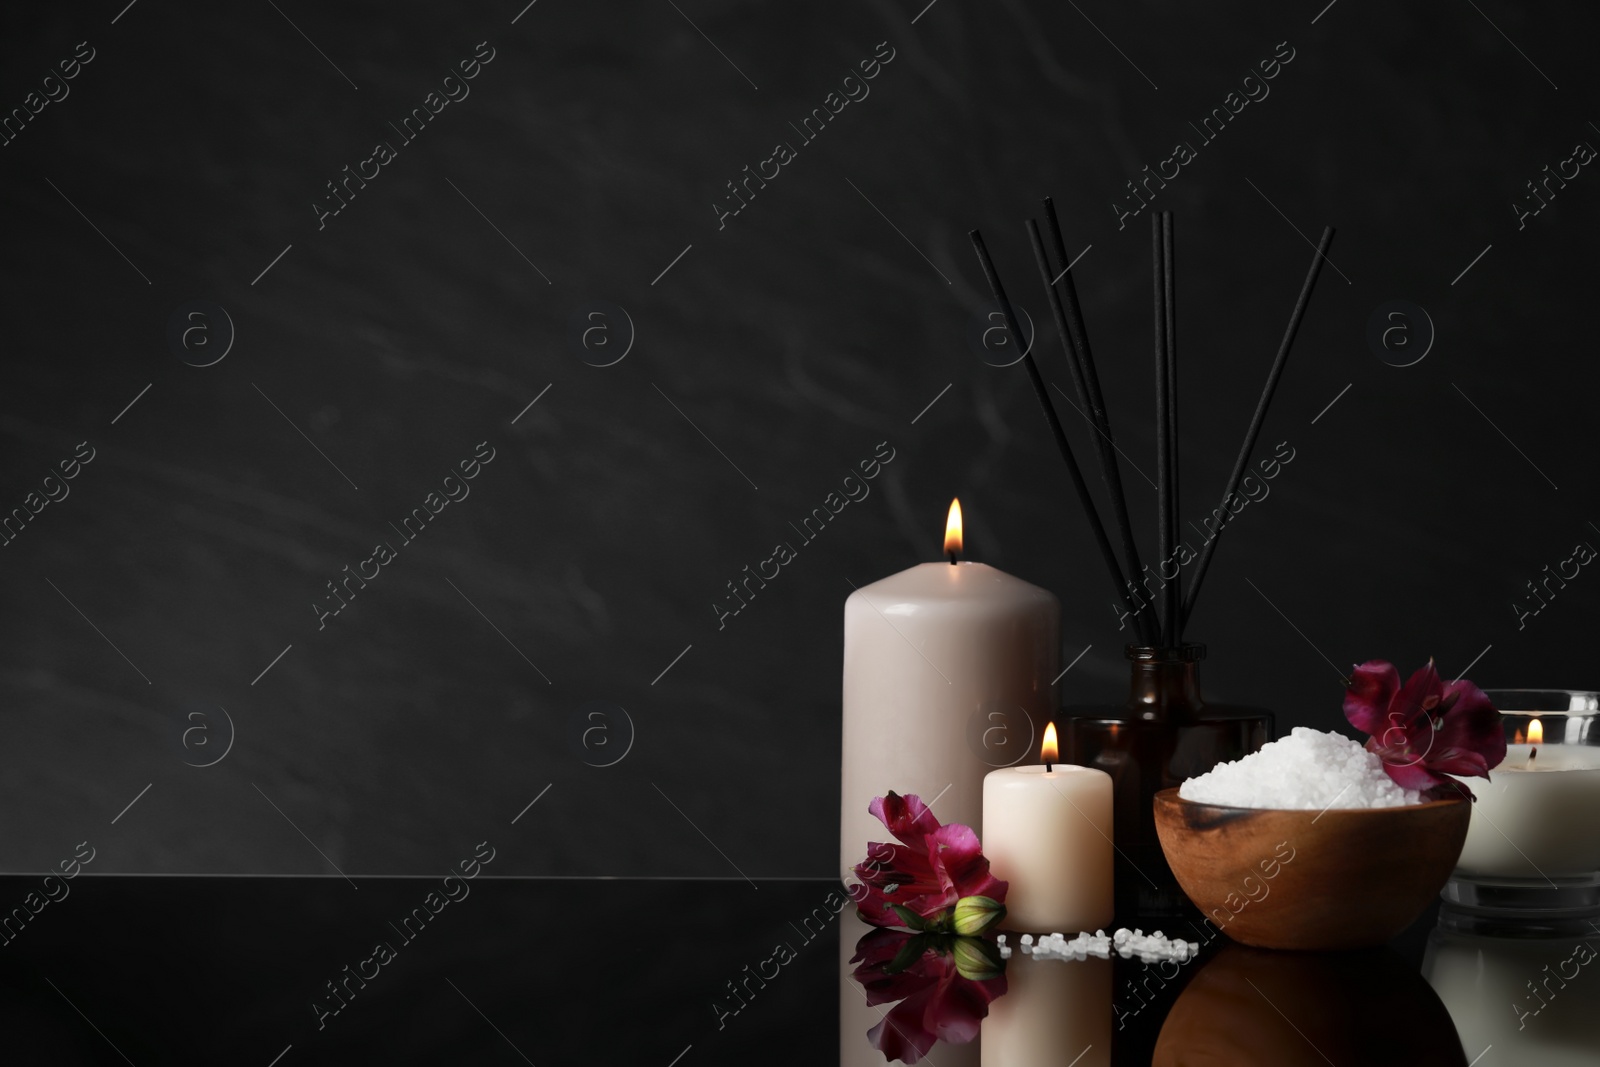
(797, 338)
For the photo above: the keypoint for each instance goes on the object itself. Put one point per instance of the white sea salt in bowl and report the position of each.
(1307, 844)
(1309, 769)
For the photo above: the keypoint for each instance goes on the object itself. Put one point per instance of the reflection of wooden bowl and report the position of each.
(1249, 1008)
(1340, 878)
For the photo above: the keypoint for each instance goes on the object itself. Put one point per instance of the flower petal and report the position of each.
(1415, 776)
(906, 817)
(960, 865)
(895, 865)
(1420, 695)
(877, 947)
(1373, 686)
(1457, 762)
(900, 1036)
(898, 875)
(1404, 767)
(1450, 790)
(959, 1006)
(875, 911)
(1472, 725)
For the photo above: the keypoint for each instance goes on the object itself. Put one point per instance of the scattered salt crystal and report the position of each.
(1308, 770)
(1126, 943)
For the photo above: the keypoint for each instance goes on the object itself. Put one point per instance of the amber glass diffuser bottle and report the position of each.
(1163, 734)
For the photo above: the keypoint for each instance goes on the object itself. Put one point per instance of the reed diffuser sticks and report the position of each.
(1164, 628)
(1069, 322)
(1051, 419)
(1166, 475)
(1260, 416)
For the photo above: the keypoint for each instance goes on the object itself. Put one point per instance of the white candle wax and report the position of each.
(924, 651)
(1048, 833)
(1537, 816)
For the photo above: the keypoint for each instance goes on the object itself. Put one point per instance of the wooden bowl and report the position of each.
(1336, 879)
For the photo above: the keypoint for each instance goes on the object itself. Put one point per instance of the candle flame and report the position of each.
(1517, 738)
(952, 529)
(1050, 751)
(1535, 732)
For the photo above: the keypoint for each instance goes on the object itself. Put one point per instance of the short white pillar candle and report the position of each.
(1048, 833)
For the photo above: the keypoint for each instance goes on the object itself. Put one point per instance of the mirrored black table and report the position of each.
(114, 969)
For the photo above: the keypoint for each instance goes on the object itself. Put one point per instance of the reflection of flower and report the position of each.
(941, 987)
(1425, 729)
(921, 883)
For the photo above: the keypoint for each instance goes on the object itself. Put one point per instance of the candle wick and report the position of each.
(1049, 767)
(952, 557)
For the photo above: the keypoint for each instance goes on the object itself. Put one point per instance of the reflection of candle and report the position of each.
(925, 651)
(1047, 831)
(1053, 1011)
(1531, 999)
(1538, 816)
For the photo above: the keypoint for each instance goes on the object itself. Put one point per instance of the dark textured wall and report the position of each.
(772, 351)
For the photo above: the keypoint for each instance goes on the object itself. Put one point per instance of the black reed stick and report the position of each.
(1163, 452)
(1069, 322)
(1082, 488)
(1173, 613)
(1082, 359)
(1258, 418)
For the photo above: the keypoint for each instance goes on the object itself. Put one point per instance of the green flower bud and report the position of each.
(974, 915)
(977, 959)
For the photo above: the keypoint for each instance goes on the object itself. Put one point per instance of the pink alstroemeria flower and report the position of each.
(918, 882)
(1427, 728)
(932, 1000)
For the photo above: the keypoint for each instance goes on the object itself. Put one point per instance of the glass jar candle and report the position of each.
(1533, 850)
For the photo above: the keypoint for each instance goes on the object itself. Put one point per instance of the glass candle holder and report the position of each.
(1532, 854)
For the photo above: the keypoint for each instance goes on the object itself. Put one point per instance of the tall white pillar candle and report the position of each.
(927, 653)
(1048, 833)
